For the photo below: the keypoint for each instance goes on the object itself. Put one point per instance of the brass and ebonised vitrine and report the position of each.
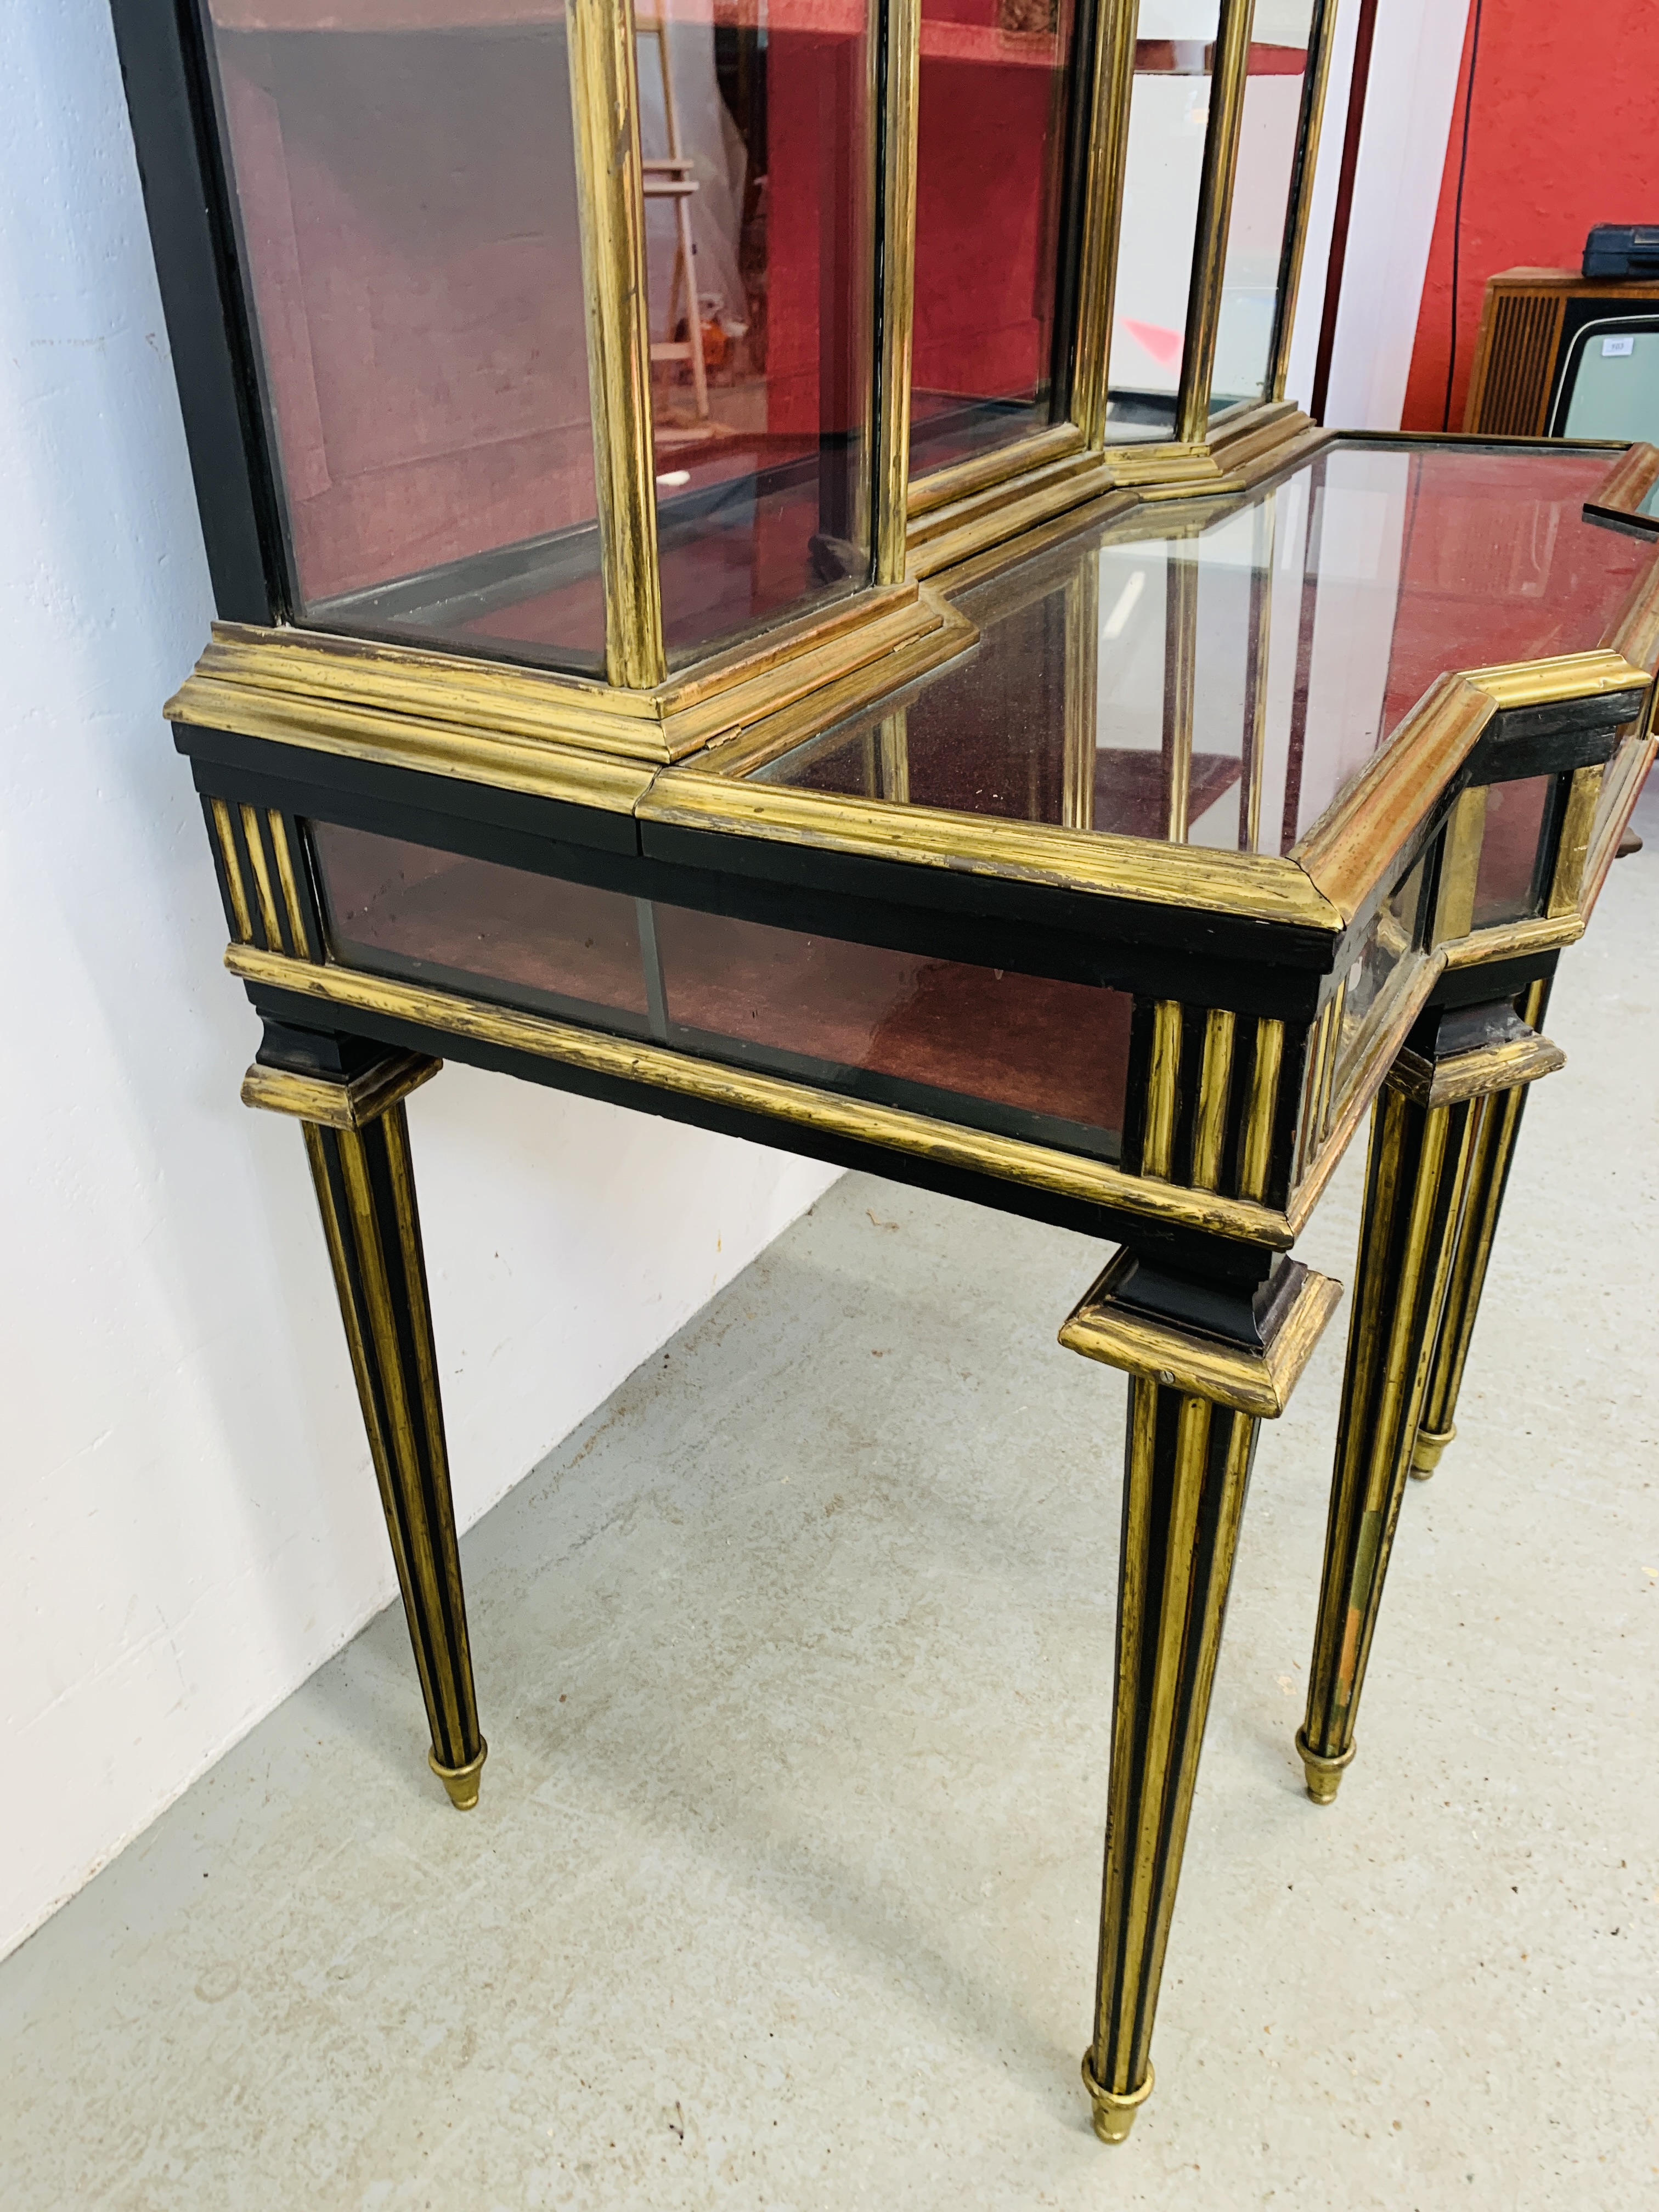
(766, 575)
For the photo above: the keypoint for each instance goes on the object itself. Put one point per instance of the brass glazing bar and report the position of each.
(1180, 687)
(1489, 1175)
(1460, 864)
(1109, 143)
(893, 756)
(366, 1193)
(1255, 675)
(1077, 801)
(610, 192)
(1572, 849)
(902, 63)
(1321, 43)
(1215, 204)
(1416, 1175)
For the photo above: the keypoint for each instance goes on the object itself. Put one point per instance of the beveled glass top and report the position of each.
(1219, 682)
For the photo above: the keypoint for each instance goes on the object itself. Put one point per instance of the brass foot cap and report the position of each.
(1324, 1775)
(461, 1782)
(1425, 1452)
(1114, 2115)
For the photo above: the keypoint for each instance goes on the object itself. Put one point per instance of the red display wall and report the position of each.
(1561, 135)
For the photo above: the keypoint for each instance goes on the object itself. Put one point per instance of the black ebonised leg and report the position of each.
(1489, 1173)
(356, 1137)
(1196, 1402)
(1429, 1123)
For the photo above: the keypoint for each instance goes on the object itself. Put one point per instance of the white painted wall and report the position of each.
(1408, 112)
(191, 1524)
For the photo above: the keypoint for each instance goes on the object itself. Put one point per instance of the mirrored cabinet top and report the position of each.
(1220, 682)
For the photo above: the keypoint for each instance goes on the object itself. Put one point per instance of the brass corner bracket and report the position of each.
(332, 1103)
(1103, 1326)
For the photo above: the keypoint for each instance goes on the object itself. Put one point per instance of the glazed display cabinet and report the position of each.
(767, 574)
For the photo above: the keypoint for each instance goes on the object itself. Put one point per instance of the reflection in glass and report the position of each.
(1511, 877)
(441, 918)
(1168, 117)
(407, 204)
(1396, 933)
(755, 131)
(995, 74)
(1269, 128)
(1223, 686)
(1024, 1055)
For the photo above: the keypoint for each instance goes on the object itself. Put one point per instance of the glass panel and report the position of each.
(994, 74)
(1392, 937)
(1261, 195)
(406, 199)
(404, 909)
(1024, 1055)
(1020, 1053)
(1169, 115)
(1508, 880)
(1611, 382)
(1224, 686)
(755, 127)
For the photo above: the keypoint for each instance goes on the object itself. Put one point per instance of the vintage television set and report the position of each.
(1562, 356)
(766, 573)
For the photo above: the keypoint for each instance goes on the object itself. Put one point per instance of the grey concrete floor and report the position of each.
(796, 1666)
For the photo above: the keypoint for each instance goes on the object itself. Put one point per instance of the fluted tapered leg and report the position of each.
(1186, 1470)
(365, 1193)
(1415, 1177)
(1430, 1122)
(1196, 1402)
(1489, 1173)
(348, 1096)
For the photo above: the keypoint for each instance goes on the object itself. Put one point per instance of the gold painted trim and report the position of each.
(1228, 71)
(898, 285)
(1214, 1075)
(1460, 864)
(1332, 1142)
(1101, 1327)
(335, 1105)
(1262, 1111)
(1510, 940)
(531, 729)
(1102, 214)
(610, 201)
(1572, 850)
(963, 480)
(1163, 1090)
(1625, 485)
(1315, 84)
(540, 1036)
(1363, 838)
(1187, 876)
(1474, 1074)
(1613, 829)
(299, 937)
(240, 914)
(264, 894)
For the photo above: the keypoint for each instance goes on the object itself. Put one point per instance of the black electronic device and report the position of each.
(1622, 249)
